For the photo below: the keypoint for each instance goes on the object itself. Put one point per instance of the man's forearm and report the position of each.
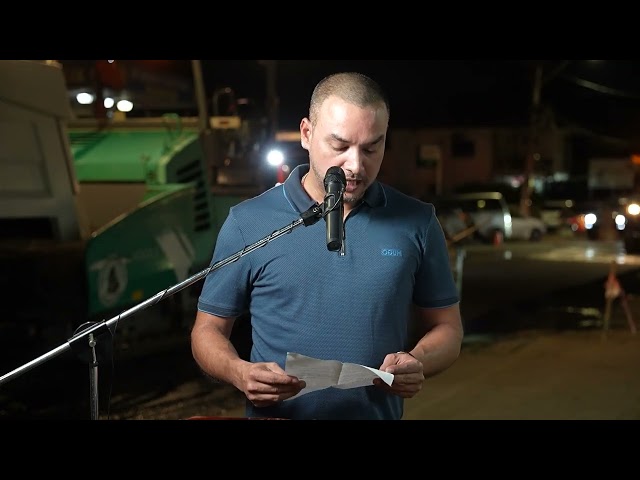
(217, 357)
(438, 349)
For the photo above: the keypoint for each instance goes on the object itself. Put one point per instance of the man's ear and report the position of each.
(305, 133)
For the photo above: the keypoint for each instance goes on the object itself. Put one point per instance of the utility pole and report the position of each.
(271, 67)
(201, 96)
(534, 121)
(210, 145)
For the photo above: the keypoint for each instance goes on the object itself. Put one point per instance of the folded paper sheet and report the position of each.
(321, 374)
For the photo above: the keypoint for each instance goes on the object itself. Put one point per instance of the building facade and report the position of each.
(431, 161)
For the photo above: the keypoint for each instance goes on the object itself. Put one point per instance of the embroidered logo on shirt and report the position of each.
(391, 252)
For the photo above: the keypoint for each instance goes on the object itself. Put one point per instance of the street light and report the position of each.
(276, 158)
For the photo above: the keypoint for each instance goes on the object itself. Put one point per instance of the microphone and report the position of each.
(334, 184)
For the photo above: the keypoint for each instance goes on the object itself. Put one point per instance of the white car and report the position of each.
(526, 228)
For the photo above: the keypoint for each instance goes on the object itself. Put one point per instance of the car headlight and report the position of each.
(590, 220)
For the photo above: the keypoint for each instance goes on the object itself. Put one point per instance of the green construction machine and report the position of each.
(98, 215)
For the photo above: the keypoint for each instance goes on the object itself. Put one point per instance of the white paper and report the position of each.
(321, 374)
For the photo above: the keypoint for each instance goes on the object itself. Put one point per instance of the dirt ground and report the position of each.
(571, 374)
(534, 375)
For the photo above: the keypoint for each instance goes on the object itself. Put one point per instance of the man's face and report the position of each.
(349, 137)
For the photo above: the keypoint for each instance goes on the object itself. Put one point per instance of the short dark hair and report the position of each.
(352, 87)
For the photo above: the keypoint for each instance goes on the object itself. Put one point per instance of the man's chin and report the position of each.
(351, 198)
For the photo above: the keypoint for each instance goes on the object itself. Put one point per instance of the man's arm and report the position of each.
(436, 351)
(262, 383)
(440, 347)
(213, 351)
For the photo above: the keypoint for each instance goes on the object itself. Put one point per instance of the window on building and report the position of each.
(462, 146)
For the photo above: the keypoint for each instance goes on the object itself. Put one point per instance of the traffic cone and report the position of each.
(498, 238)
(612, 291)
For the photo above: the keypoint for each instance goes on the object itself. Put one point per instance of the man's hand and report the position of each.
(407, 372)
(265, 384)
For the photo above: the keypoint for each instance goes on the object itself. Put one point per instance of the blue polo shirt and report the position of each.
(303, 298)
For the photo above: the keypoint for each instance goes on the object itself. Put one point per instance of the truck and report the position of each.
(98, 214)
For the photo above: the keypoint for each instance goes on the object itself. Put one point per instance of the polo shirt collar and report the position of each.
(374, 196)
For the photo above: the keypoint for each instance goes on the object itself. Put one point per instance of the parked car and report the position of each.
(488, 212)
(526, 228)
(555, 213)
(559, 201)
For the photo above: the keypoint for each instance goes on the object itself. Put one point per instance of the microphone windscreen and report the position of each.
(334, 174)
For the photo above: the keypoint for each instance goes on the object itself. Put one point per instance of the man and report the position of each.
(354, 305)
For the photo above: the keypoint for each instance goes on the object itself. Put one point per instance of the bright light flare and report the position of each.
(124, 105)
(84, 98)
(275, 158)
(633, 209)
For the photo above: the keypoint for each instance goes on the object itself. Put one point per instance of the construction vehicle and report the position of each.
(99, 214)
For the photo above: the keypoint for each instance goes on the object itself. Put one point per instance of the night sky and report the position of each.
(421, 92)
(599, 96)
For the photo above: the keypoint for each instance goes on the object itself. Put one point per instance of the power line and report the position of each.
(599, 88)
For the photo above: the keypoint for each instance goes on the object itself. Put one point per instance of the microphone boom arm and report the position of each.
(90, 330)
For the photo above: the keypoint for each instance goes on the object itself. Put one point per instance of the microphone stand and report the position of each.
(87, 333)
